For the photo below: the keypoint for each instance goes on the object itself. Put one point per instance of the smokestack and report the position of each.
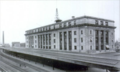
(3, 37)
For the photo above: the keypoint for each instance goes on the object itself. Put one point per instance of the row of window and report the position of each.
(49, 47)
(101, 23)
(50, 27)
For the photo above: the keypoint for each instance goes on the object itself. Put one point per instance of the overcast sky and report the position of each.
(18, 16)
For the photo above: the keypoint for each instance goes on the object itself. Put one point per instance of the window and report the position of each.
(101, 32)
(44, 29)
(90, 47)
(64, 24)
(75, 47)
(102, 48)
(54, 46)
(69, 23)
(35, 41)
(75, 40)
(54, 26)
(81, 39)
(60, 34)
(54, 35)
(90, 40)
(70, 48)
(112, 33)
(101, 22)
(97, 48)
(74, 22)
(43, 47)
(96, 22)
(60, 47)
(74, 32)
(60, 25)
(49, 27)
(81, 47)
(49, 47)
(81, 31)
(106, 23)
(90, 32)
(54, 40)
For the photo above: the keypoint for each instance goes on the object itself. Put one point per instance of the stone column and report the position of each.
(104, 37)
(67, 40)
(99, 40)
(62, 40)
(45, 41)
(42, 42)
(48, 41)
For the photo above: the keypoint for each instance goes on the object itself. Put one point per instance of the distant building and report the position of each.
(16, 44)
(82, 34)
(22, 45)
(6, 45)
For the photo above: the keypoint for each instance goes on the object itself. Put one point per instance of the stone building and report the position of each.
(16, 44)
(82, 34)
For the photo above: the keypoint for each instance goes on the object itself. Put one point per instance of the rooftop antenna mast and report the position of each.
(57, 18)
(57, 14)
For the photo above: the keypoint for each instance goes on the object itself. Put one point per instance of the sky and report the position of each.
(18, 16)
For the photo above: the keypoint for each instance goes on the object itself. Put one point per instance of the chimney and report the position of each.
(3, 37)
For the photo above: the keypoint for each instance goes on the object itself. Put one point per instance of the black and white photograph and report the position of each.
(59, 35)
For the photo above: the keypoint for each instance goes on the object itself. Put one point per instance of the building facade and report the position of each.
(16, 44)
(82, 34)
(22, 45)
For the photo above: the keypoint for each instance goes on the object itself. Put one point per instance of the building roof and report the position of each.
(91, 17)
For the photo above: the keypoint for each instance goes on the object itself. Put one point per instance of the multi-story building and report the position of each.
(82, 34)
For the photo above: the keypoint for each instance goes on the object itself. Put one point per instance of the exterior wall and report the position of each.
(88, 39)
(27, 42)
(112, 40)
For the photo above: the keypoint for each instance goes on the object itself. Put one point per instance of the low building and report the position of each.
(6, 45)
(22, 45)
(16, 44)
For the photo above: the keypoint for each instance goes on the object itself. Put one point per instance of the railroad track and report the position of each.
(37, 69)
